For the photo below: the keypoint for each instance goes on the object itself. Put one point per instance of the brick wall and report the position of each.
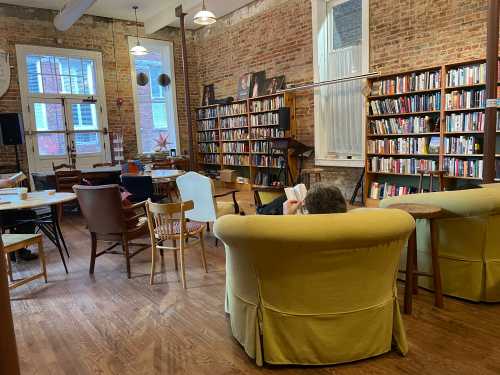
(20, 25)
(276, 36)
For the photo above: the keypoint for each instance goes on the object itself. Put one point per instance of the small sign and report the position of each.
(491, 103)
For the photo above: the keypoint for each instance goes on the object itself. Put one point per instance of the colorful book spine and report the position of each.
(401, 166)
(465, 99)
(461, 122)
(406, 104)
(466, 75)
(464, 168)
(463, 145)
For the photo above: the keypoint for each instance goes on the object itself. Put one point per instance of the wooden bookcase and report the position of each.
(451, 123)
(238, 135)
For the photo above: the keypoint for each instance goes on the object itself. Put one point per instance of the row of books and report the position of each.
(208, 137)
(241, 147)
(385, 190)
(462, 145)
(269, 104)
(210, 158)
(233, 135)
(236, 160)
(470, 121)
(264, 119)
(233, 109)
(233, 122)
(406, 104)
(466, 75)
(407, 83)
(464, 168)
(266, 133)
(463, 99)
(401, 166)
(420, 145)
(207, 125)
(262, 178)
(262, 147)
(408, 125)
(268, 161)
(208, 147)
(204, 113)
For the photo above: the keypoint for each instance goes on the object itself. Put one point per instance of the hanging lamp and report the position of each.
(138, 49)
(204, 17)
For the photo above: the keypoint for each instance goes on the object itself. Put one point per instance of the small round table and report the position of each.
(429, 212)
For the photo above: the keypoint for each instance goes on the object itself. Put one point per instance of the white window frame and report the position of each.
(132, 41)
(319, 17)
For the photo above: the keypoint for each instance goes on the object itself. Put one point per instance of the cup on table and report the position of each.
(23, 194)
(50, 192)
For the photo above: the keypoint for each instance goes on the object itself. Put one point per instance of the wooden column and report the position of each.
(9, 363)
(491, 93)
(187, 97)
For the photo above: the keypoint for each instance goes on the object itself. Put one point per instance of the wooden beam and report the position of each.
(9, 362)
(187, 97)
(489, 172)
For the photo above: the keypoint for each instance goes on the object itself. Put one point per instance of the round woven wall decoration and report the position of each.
(164, 80)
(142, 79)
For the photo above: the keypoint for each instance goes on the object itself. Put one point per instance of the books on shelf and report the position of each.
(263, 147)
(399, 146)
(463, 122)
(466, 99)
(434, 145)
(464, 168)
(406, 104)
(263, 132)
(401, 166)
(235, 135)
(401, 125)
(235, 147)
(268, 161)
(406, 83)
(235, 160)
(466, 75)
(462, 145)
(268, 104)
(233, 109)
(265, 119)
(208, 137)
(204, 125)
(210, 158)
(233, 122)
(208, 147)
(384, 190)
(204, 113)
(263, 178)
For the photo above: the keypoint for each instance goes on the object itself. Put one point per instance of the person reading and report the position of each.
(322, 198)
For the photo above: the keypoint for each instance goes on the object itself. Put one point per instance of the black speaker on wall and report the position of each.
(11, 129)
(284, 118)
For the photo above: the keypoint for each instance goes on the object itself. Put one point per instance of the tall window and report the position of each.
(155, 107)
(340, 50)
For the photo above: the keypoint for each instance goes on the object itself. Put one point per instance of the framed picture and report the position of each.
(208, 95)
(258, 84)
(273, 85)
(244, 86)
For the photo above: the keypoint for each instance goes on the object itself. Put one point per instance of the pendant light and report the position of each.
(204, 17)
(138, 50)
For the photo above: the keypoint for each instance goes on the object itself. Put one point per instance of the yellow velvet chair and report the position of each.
(315, 289)
(468, 241)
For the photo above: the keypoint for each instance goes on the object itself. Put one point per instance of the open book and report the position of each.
(296, 193)
(17, 178)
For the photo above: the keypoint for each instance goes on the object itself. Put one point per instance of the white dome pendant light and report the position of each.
(138, 50)
(204, 17)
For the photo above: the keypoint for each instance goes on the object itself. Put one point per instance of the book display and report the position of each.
(429, 119)
(240, 136)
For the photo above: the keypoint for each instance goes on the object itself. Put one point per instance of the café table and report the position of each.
(48, 223)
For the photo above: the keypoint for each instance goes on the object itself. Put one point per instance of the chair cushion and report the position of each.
(225, 208)
(191, 226)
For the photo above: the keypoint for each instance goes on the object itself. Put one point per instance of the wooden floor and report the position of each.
(106, 324)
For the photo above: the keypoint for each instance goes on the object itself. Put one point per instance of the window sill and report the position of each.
(350, 163)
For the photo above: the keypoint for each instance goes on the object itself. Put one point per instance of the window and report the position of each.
(340, 50)
(155, 106)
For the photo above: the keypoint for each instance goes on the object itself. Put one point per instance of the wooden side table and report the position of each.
(307, 173)
(429, 212)
(432, 174)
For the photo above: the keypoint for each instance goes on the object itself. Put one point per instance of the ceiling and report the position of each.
(155, 14)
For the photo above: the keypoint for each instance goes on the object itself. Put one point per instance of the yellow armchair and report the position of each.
(315, 289)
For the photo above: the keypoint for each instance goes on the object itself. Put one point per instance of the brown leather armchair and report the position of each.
(108, 220)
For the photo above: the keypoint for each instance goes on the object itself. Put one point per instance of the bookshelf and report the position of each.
(431, 119)
(239, 136)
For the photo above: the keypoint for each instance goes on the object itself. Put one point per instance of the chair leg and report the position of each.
(127, 256)
(153, 263)
(183, 269)
(208, 226)
(412, 248)
(9, 267)
(436, 270)
(93, 253)
(41, 256)
(176, 264)
(203, 257)
(216, 242)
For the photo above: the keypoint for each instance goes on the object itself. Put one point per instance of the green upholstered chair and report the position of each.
(468, 241)
(315, 289)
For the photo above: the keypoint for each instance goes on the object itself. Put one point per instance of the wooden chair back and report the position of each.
(167, 221)
(97, 165)
(164, 164)
(62, 166)
(65, 180)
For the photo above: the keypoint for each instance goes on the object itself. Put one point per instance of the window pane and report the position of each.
(89, 76)
(87, 143)
(346, 24)
(51, 144)
(49, 84)
(34, 74)
(159, 115)
(48, 116)
(84, 116)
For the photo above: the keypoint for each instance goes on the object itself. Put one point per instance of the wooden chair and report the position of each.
(65, 180)
(432, 174)
(14, 242)
(164, 164)
(307, 173)
(167, 222)
(63, 166)
(98, 165)
(108, 220)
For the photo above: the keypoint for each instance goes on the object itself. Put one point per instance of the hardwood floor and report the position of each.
(106, 324)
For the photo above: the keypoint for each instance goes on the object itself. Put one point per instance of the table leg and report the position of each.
(412, 248)
(436, 269)
(60, 235)
(54, 220)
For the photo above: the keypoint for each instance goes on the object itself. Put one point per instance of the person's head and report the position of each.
(323, 198)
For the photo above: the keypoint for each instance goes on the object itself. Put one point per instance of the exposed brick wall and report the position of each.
(19, 25)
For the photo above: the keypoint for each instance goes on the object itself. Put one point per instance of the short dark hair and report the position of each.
(323, 198)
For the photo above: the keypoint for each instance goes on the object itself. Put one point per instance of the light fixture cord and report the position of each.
(203, 7)
(136, 24)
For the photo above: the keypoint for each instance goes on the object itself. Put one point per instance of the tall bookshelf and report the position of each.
(239, 136)
(430, 119)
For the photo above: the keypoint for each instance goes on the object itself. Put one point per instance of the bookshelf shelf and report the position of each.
(402, 114)
(397, 135)
(234, 115)
(395, 95)
(404, 155)
(464, 155)
(472, 86)
(477, 132)
(464, 109)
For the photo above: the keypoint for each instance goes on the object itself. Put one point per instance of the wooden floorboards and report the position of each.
(106, 324)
